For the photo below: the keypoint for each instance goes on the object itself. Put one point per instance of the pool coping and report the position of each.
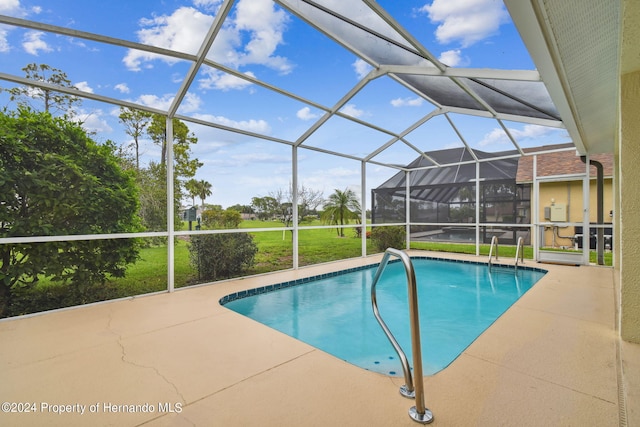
(296, 282)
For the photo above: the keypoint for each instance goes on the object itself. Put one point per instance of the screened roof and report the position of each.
(390, 49)
(440, 184)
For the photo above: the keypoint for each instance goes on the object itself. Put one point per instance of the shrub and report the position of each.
(217, 218)
(222, 256)
(56, 180)
(389, 237)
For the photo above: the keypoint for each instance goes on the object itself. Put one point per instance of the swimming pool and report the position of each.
(458, 300)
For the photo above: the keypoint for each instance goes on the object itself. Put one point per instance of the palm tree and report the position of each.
(341, 206)
(193, 190)
(204, 190)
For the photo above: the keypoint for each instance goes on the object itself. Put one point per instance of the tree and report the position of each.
(185, 166)
(204, 190)
(341, 206)
(245, 209)
(191, 186)
(197, 188)
(308, 200)
(135, 122)
(55, 180)
(52, 100)
(283, 206)
(152, 181)
(264, 207)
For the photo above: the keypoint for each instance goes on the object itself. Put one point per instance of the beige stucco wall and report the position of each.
(628, 261)
(629, 266)
(569, 193)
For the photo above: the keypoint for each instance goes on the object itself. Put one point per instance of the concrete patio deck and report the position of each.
(181, 359)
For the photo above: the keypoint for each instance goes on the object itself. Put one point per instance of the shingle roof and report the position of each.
(559, 163)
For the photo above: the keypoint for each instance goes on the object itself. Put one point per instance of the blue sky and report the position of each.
(264, 41)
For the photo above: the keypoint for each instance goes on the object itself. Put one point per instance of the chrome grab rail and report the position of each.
(419, 412)
(494, 239)
(520, 253)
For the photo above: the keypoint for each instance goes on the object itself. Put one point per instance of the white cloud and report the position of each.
(337, 178)
(361, 68)
(4, 44)
(216, 79)
(453, 58)
(528, 132)
(189, 104)
(212, 5)
(93, 121)
(122, 88)
(252, 125)
(352, 110)
(532, 131)
(257, 21)
(11, 7)
(252, 158)
(33, 43)
(265, 25)
(466, 21)
(306, 114)
(496, 136)
(182, 31)
(407, 102)
(84, 86)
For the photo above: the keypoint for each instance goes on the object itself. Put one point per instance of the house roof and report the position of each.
(441, 183)
(559, 163)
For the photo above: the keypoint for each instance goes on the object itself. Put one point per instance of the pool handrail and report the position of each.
(494, 239)
(419, 412)
(519, 253)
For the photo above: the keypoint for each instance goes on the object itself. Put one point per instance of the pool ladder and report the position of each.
(519, 251)
(494, 242)
(418, 413)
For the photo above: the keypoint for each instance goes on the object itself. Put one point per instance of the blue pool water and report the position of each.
(458, 301)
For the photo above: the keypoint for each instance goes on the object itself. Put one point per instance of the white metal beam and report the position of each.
(471, 73)
(94, 37)
(221, 15)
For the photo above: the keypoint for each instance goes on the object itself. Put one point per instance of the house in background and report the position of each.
(560, 176)
(544, 186)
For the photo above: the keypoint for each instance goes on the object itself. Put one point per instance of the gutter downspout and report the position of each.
(600, 206)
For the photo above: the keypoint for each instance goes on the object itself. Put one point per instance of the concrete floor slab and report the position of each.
(549, 360)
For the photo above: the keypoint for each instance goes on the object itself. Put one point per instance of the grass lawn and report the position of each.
(466, 248)
(315, 246)
(275, 252)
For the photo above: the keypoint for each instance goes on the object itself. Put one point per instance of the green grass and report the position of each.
(315, 246)
(506, 251)
(466, 248)
(149, 273)
(276, 253)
